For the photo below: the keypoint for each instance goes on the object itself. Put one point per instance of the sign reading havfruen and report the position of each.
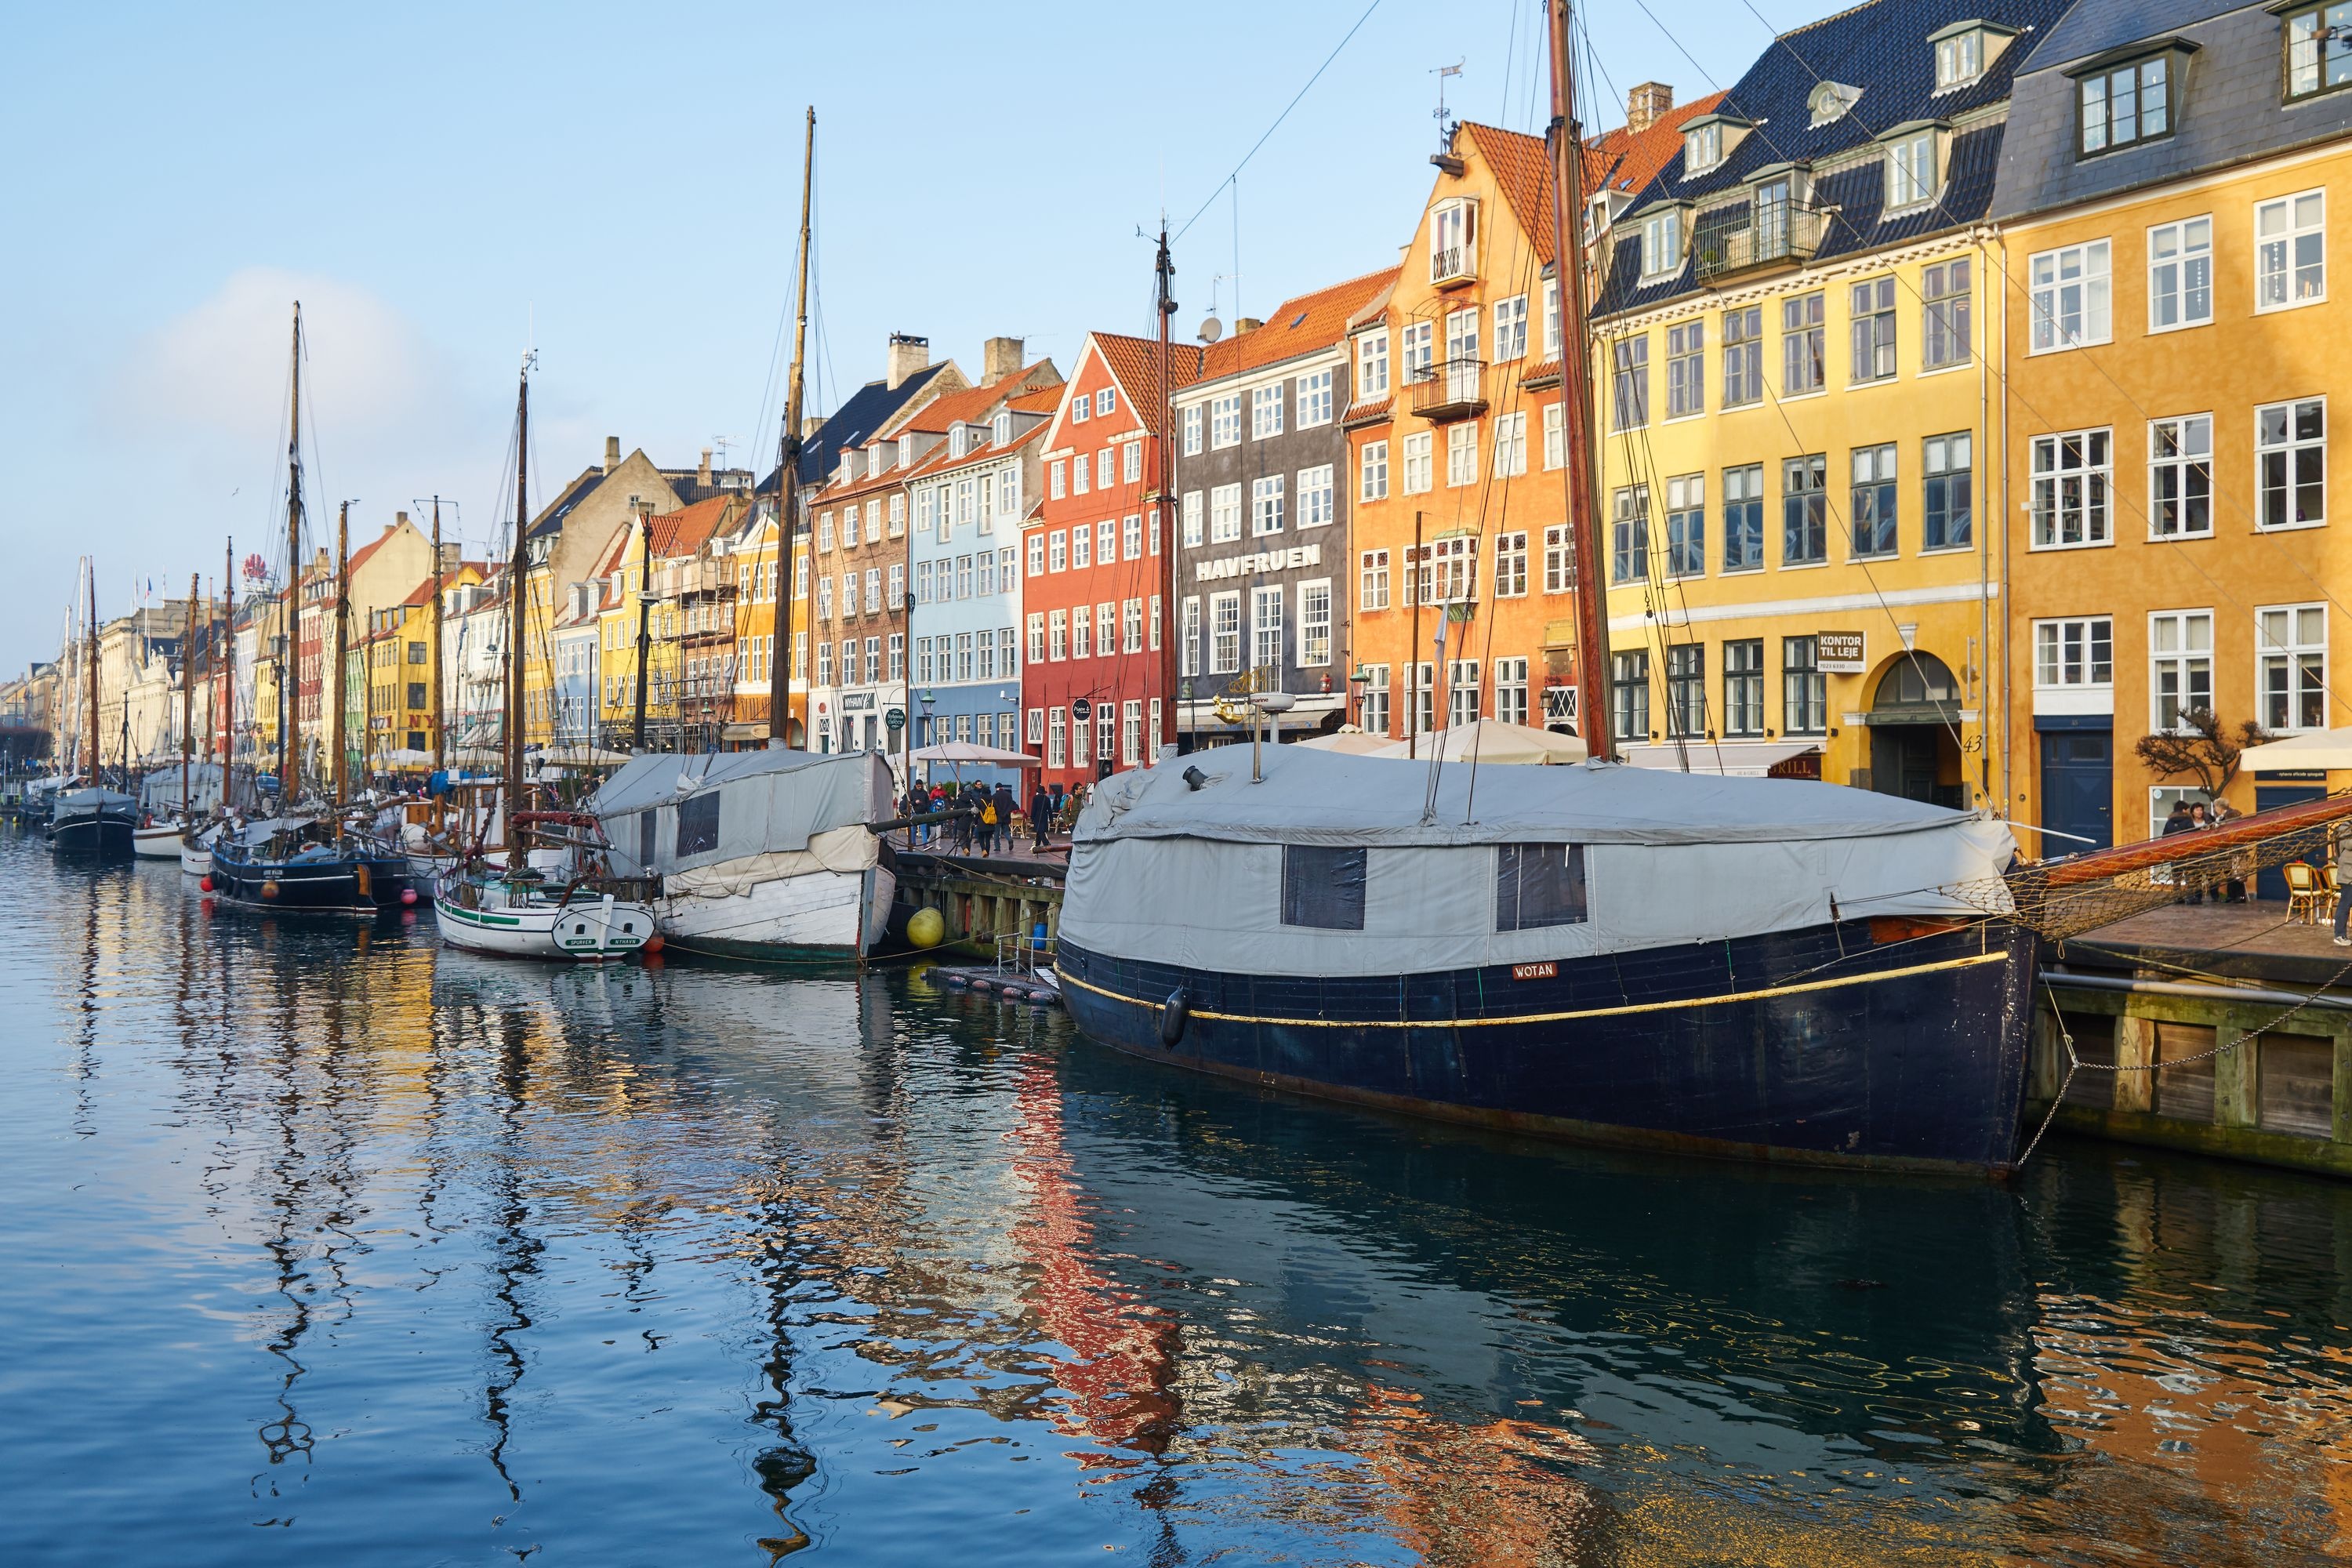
(1292, 559)
(1840, 653)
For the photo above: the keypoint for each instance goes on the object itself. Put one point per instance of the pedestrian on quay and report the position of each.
(1041, 817)
(2339, 835)
(983, 811)
(1008, 812)
(962, 829)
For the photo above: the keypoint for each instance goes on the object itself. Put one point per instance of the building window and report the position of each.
(2069, 289)
(1460, 692)
(1874, 329)
(2180, 476)
(1743, 687)
(1057, 738)
(2124, 106)
(1510, 445)
(2180, 274)
(1193, 518)
(1551, 320)
(1702, 148)
(1036, 639)
(1265, 628)
(1189, 650)
(1804, 365)
(1630, 381)
(1224, 514)
(1804, 510)
(1511, 691)
(1686, 526)
(2291, 459)
(1910, 171)
(1452, 241)
(1629, 536)
(2071, 480)
(1130, 733)
(896, 593)
(1420, 351)
(1106, 402)
(2290, 251)
(1060, 622)
(1554, 435)
(1225, 633)
(1314, 399)
(1130, 537)
(1629, 696)
(1265, 505)
(1511, 565)
(1462, 454)
(1743, 519)
(1686, 370)
(1037, 556)
(1372, 474)
(1804, 690)
(1130, 625)
(1874, 511)
(1315, 623)
(1266, 411)
(1192, 431)
(1687, 689)
(1316, 503)
(824, 664)
(1959, 59)
(1131, 462)
(1372, 365)
(1419, 464)
(1058, 550)
(1449, 571)
(2075, 653)
(1743, 356)
(1511, 328)
(2290, 645)
(1559, 570)
(1372, 712)
(1081, 634)
(2180, 667)
(898, 656)
(1946, 493)
(1225, 421)
(1372, 580)
(2318, 50)
(1662, 245)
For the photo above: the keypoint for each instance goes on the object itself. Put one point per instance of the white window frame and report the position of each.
(1372, 580)
(2047, 287)
(2102, 474)
(1314, 649)
(2067, 654)
(2292, 445)
(1315, 398)
(2172, 450)
(1265, 412)
(2289, 657)
(1511, 328)
(1662, 245)
(1911, 172)
(1189, 649)
(1318, 503)
(2283, 242)
(1420, 462)
(1224, 514)
(2174, 655)
(1225, 633)
(1462, 454)
(1195, 502)
(2167, 271)
(1267, 516)
(1193, 422)
(1224, 421)
(1510, 445)
(1372, 366)
(1373, 471)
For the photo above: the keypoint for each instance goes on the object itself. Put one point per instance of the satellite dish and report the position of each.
(1212, 329)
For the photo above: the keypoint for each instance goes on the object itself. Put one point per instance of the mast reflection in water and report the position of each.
(325, 1244)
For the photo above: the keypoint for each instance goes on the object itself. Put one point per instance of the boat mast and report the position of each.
(289, 666)
(788, 468)
(187, 698)
(645, 633)
(1592, 715)
(516, 855)
(335, 721)
(1163, 519)
(440, 741)
(228, 666)
(90, 693)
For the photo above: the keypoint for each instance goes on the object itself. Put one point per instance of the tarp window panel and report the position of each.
(698, 824)
(1539, 885)
(647, 845)
(1323, 887)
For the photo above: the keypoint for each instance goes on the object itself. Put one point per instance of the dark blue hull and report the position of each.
(99, 838)
(362, 885)
(1819, 1047)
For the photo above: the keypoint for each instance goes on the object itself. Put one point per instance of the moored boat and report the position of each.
(301, 863)
(93, 822)
(157, 840)
(196, 849)
(579, 911)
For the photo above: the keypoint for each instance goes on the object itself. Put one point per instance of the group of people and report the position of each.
(2192, 816)
(982, 819)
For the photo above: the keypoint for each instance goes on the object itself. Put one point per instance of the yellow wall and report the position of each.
(1938, 596)
(2225, 369)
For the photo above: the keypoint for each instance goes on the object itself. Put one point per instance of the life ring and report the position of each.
(1173, 1017)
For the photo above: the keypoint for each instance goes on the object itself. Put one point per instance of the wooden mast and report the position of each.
(89, 692)
(516, 855)
(289, 668)
(1163, 515)
(788, 468)
(1592, 715)
(337, 739)
(187, 698)
(440, 739)
(229, 669)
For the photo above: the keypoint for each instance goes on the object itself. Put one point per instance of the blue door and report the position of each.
(2271, 883)
(2078, 790)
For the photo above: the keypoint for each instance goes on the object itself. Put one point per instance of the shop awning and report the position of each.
(2320, 749)
(1731, 758)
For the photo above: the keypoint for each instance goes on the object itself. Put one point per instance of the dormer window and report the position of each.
(1662, 243)
(877, 459)
(1965, 50)
(2318, 48)
(848, 466)
(1003, 428)
(1702, 148)
(1911, 167)
(1832, 101)
(906, 451)
(2123, 100)
(955, 441)
(1453, 241)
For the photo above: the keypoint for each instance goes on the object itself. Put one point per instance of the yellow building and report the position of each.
(669, 542)
(2171, 348)
(1796, 418)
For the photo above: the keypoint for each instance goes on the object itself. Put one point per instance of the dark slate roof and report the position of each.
(2230, 108)
(1881, 48)
(868, 410)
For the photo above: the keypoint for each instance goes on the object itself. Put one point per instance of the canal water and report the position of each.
(329, 1245)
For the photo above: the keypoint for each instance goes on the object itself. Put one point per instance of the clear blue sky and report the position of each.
(442, 186)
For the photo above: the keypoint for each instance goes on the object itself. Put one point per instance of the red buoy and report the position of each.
(206, 883)
(408, 894)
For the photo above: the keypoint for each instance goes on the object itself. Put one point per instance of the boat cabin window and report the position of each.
(697, 824)
(1322, 887)
(1539, 885)
(646, 842)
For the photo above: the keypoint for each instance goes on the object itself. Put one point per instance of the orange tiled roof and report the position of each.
(971, 406)
(1371, 413)
(1522, 164)
(685, 531)
(1296, 326)
(1134, 363)
(1043, 400)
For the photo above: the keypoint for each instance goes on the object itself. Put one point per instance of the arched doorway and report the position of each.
(1914, 720)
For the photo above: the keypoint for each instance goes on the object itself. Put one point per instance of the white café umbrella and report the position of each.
(2320, 749)
(1491, 740)
(970, 751)
(581, 756)
(1348, 742)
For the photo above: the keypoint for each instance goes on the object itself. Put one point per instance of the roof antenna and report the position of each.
(1444, 124)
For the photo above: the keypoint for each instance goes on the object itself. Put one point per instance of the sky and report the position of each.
(443, 187)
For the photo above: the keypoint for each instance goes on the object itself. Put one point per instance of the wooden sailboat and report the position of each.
(93, 820)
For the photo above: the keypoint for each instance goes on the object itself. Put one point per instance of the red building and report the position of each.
(1095, 567)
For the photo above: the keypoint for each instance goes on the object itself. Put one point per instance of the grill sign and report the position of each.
(1547, 971)
(1839, 653)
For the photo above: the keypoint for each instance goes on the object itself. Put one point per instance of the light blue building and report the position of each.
(573, 648)
(964, 556)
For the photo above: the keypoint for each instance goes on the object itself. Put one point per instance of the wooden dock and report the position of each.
(983, 896)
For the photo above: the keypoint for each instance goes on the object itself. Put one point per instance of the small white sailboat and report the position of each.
(196, 849)
(157, 841)
(575, 909)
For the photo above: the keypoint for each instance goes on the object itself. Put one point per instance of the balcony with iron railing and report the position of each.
(1449, 389)
(1754, 234)
(1450, 264)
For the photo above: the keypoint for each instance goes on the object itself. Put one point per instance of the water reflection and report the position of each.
(484, 1261)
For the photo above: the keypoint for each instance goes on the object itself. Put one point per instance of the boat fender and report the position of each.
(407, 896)
(365, 882)
(268, 889)
(206, 883)
(1172, 1017)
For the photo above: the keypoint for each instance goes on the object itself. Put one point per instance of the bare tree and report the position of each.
(2201, 746)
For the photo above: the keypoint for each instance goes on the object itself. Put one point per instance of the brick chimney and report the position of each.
(907, 355)
(1246, 324)
(702, 474)
(999, 357)
(612, 453)
(1646, 105)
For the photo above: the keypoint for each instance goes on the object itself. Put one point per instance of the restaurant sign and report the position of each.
(1840, 653)
(1292, 559)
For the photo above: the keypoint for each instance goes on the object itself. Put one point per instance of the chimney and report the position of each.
(400, 519)
(612, 453)
(907, 355)
(810, 424)
(1246, 324)
(453, 555)
(1646, 105)
(999, 357)
(702, 474)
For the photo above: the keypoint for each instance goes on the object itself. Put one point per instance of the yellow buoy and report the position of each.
(927, 926)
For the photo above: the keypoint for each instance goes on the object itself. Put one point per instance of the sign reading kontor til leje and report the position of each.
(1839, 653)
